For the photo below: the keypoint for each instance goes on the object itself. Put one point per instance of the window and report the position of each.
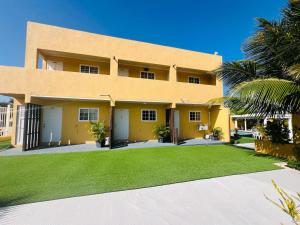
(194, 80)
(148, 115)
(89, 69)
(195, 116)
(88, 114)
(147, 75)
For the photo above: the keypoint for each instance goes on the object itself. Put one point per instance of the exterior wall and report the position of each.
(17, 102)
(296, 127)
(134, 71)
(40, 36)
(278, 150)
(189, 129)
(204, 78)
(143, 130)
(219, 117)
(72, 65)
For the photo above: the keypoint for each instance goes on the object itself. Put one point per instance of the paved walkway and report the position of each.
(93, 147)
(231, 200)
(246, 145)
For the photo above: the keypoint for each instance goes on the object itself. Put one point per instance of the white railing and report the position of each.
(6, 120)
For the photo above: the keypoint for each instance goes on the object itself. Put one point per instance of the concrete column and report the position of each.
(245, 124)
(113, 66)
(290, 126)
(7, 119)
(173, 74)
(235, 124)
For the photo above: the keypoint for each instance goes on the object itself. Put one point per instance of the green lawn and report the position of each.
(246, 140)
(34, 178)
(4, 144)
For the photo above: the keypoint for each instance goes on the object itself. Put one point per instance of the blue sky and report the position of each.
(205, 26)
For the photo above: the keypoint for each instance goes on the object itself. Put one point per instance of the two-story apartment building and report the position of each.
(72, 77)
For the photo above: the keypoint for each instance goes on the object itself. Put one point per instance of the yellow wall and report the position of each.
(134, 71)
(278, 150)
(188, 129)
(296, 127)
(219, 117)
(204, 78)
(72, 65)
(143, 130)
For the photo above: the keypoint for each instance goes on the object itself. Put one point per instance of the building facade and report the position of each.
(72, 77)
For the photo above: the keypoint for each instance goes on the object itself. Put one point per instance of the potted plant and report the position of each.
(98, 131)
(217, 133)
(162, 132)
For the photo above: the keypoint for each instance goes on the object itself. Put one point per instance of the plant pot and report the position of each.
(161, 140)
(100, 144)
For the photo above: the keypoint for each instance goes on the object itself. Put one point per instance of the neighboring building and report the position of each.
(71, 77)
(247, 122)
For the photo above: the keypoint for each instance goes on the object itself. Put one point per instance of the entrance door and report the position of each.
(20, 124)
(177, 121)
(121, 124)
(51, 126)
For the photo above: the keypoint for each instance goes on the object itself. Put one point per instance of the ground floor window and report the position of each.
(88, 114)
(148, 115)
(195, 116)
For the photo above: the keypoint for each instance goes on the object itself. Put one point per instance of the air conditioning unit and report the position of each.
(202, 127)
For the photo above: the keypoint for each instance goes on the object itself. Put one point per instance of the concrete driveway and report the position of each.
(226, 200)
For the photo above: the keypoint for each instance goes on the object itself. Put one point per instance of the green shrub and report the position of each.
(294, 164)
(161, 131)
(277, 131)
(98, 130)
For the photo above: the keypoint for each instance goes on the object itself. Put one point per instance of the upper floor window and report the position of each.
(88, 114)
(89, 69)
(148, 115)
(194, 80)
(147, 75)
(195, 116)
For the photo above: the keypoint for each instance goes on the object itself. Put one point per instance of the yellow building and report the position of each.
(71, 77)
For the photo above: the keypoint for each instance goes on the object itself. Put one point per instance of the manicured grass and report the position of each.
(34, 178)
(246, 140)
(4, 144)
(243, 140)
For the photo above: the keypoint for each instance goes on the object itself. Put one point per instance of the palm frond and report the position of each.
(268, 96)
(233, 73)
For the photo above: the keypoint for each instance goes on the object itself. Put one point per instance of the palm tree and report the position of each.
(267, 82)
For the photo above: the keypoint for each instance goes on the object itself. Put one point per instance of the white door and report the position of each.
(20, 124)
(51, 126)
(121, 124)
(177, 121)
(54, 65)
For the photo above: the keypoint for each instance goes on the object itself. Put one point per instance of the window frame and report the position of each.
(149, 120)
(89, 68)
(143, 71)
(98, 111)
(193, 77)
(200, 115)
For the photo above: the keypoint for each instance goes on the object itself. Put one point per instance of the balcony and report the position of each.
(40, 82)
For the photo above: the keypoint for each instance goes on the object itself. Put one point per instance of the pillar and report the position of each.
(290, 126)
(173, 74)
(113, 66)
(7, 119)
(245, 124)
(235, 124)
